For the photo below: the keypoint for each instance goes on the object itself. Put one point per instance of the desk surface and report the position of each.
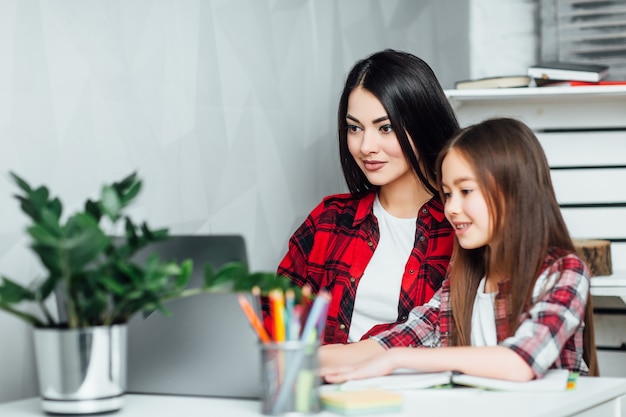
(601, 393)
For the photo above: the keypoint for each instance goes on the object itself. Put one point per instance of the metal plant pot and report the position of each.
(81, 371)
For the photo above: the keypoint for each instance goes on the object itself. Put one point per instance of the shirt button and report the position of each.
(342, 326)
(370, 244)
(404, 318)
(421, 238)
(411, 271)
(424, 210)
(352, 279)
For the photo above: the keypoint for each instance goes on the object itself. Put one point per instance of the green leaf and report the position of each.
(49, 256)
(129, 194)
(153, 235)
(85, 241)
(12, 293)
(168, 268)
(110, 203)
(28, 207)
(93, 209)
(128, 182)
(42, 236)
(47, 287)
(55, 207)
(230, 273)
(50, 220)
(39, 197)
(128, 272)
(114, 286)
(127, 189)
(267, 281)
(91, 307)
(186, 268)
(245, 283)
(21, 183)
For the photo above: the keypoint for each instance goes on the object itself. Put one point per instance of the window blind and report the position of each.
(591, 31)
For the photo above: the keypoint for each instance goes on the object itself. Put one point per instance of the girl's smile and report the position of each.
(460, 228)
(465, 205)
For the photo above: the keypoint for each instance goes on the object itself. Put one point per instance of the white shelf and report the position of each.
(545, 108)
(534, 92)
(610, 286)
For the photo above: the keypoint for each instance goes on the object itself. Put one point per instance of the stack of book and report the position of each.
(366, 401)
(547, 74)
(569, 73)
(554, 380)
(507, 81)
(382, 394)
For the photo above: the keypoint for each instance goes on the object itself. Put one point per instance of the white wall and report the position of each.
(503, 37)
(226, 108)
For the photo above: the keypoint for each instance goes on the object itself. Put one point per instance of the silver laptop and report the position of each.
(207, 347)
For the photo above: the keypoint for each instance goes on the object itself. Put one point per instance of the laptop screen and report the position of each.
(206, 347)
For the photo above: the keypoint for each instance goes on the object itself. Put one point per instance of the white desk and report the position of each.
(597, 397)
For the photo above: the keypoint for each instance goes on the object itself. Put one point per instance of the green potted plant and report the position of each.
(80, 345)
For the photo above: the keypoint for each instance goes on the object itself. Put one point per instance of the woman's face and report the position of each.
(373, 143)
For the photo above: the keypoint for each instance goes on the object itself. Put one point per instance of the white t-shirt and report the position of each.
(379, 289)
(483, 318)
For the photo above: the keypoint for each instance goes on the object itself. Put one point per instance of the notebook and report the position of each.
(207, 347)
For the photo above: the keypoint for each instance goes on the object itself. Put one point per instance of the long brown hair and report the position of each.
(513, 173)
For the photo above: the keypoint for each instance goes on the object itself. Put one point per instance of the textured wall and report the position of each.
(504, 37)
(226, 108)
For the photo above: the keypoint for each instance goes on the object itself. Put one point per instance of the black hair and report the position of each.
(416, 105)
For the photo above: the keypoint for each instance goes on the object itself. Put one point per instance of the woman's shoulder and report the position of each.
(345, 201)
(340, 198)
(343, 208)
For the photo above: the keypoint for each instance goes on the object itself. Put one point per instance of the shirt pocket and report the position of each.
(342, 288)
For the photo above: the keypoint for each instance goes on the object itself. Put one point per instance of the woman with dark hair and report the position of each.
(516, 300)
(383, 248)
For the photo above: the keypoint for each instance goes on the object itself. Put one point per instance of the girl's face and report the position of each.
(465, 205)
(372, 142)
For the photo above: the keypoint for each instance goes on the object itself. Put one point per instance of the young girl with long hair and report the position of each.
(516, 299)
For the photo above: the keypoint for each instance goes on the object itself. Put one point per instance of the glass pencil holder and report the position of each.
(289, 378)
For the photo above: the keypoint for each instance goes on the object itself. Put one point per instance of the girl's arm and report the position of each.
(338, 355)
(490, 362)
(420, 329)
(536, 345)
(551, 334)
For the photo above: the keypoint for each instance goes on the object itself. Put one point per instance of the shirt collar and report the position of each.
(365, 208)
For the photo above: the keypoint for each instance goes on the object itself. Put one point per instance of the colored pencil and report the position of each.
(254, 320)
(277, 310)
(256, 300)
(306, 304)
(290, 298)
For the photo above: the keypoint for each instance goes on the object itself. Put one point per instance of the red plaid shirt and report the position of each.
(550, 334)
(336, 242)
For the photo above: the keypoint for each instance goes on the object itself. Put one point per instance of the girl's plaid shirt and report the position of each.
(550, 334)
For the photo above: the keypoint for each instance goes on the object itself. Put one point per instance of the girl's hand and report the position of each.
(378, 365)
